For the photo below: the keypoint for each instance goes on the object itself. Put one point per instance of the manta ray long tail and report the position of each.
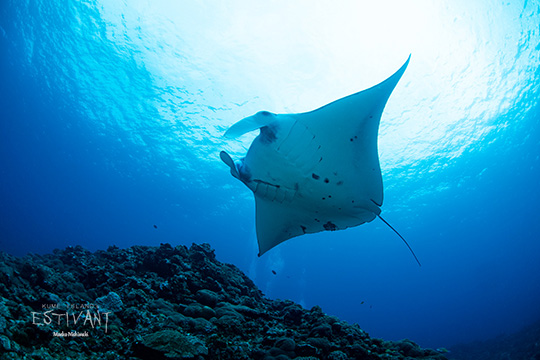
(405, 241)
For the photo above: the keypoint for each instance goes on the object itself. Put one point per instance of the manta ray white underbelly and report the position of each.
(314, 171)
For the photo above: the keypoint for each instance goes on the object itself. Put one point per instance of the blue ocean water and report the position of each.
(112, 115)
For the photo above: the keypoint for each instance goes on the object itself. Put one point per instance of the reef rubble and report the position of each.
(164, 303)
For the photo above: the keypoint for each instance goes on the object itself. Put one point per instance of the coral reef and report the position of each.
(523, 345)
(164, 303)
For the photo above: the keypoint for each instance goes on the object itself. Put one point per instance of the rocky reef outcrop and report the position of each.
(522, 345)
(164, 303)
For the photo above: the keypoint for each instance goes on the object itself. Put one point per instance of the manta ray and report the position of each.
(315, 171)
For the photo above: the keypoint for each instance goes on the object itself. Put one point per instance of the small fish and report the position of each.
(155, 226)
(274, 272)
(361, 303)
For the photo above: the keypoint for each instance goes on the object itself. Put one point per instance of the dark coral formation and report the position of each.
(523, 345)
(164, 303)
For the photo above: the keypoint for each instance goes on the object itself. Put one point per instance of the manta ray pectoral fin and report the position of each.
(226, 158)
(275, 224)
(250, 123)
(391, 82)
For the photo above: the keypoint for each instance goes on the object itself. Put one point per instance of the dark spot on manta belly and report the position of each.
(330, 226)
(268, 134)
(326, 180)
(315, 176)
(303, 228)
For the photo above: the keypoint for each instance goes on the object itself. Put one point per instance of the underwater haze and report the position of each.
(112, 116)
